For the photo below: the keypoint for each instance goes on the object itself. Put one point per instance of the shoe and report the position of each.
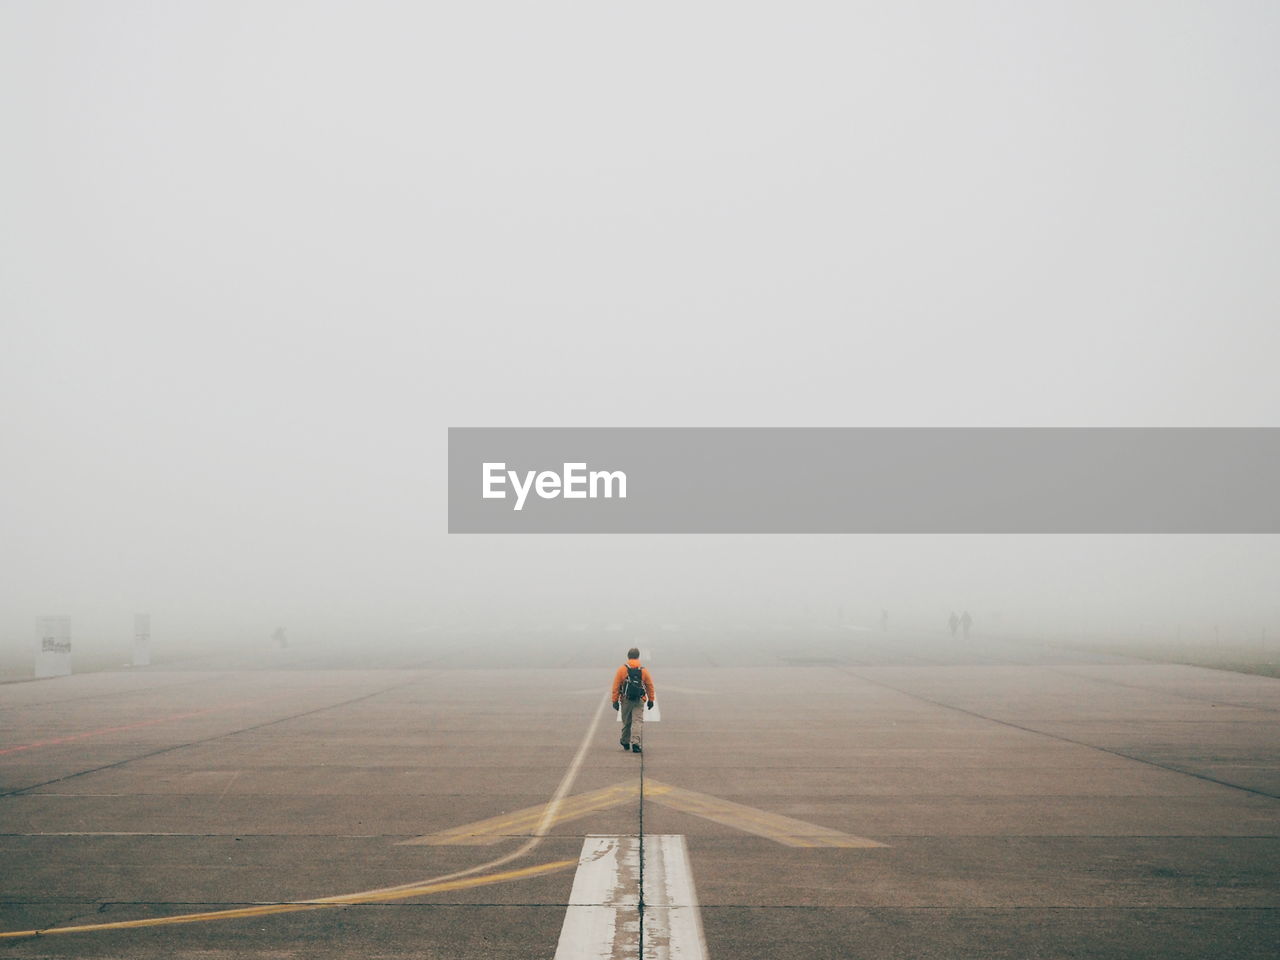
(625, 745)
(635, 748)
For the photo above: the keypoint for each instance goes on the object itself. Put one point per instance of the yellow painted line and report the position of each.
(771, 826)
(450, 881)
(421, 888)
(490, 831)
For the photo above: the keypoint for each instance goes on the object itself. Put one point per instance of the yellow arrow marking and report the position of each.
(460, 880)
(771, 826)
(523, 822)
(402, 892)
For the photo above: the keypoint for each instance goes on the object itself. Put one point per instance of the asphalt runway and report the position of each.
(879, 804)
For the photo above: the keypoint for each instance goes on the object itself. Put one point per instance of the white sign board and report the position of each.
(53, 647)
(650, 716)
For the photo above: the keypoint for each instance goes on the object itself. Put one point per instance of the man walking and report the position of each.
(632, 693)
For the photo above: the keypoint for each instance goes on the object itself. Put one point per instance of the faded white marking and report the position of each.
(672, 918)
(603, 918)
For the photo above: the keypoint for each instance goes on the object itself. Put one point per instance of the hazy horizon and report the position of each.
(255, 259)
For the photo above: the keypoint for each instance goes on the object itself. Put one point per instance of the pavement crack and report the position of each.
(110, 695)
(640, 904)
(1059, 737)
(1065, 672)
(203, 740)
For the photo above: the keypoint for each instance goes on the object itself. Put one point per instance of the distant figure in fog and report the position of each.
(632, 689)
(965, 622)
(281, 640)
(954, 623)
(884, 621)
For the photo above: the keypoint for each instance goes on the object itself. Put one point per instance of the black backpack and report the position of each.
(633, 686)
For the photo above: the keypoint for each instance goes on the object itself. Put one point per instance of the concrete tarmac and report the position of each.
(1027, 804)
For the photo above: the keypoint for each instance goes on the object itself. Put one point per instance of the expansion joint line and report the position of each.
(1059, 737)
(458, 880)
(641, 897)
(203, 740)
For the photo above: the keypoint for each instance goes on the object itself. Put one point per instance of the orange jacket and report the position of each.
(620, 678)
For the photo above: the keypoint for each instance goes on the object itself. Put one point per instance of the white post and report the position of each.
(141, 639)
(53, 647)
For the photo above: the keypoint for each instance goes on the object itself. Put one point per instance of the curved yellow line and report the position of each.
(461, 880)
(266, 909)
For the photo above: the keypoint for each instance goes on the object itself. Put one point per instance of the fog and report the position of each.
(255, 258)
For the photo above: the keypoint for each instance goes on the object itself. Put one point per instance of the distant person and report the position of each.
(279, 637)
(632, 686)
(955, 623)
(884, 621)
(965, 623)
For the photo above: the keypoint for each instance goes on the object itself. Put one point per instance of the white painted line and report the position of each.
(672, 918)
(603, 918)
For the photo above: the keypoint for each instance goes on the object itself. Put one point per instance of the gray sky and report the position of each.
(256, 257)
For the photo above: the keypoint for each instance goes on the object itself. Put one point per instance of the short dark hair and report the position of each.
(633, 653)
